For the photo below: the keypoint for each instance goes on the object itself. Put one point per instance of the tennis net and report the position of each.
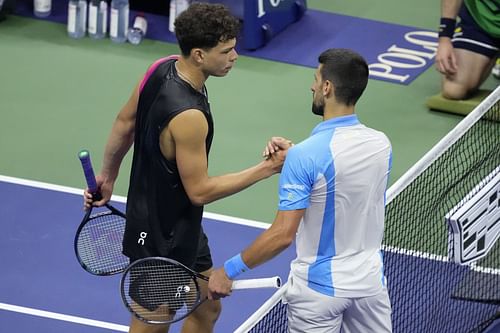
(429, 292)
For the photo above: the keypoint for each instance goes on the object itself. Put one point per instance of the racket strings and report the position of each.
(99, 244)
(160, 292)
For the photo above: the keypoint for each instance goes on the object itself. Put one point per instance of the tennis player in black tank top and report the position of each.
(168, 120)
(172, 223)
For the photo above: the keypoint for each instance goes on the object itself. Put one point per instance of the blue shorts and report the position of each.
(470, 36)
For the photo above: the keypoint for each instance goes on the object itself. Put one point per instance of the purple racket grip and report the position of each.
(84, 157)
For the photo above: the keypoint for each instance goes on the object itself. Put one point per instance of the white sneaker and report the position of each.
(496, 69)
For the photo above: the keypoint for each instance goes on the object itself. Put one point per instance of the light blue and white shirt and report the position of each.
(340, 176)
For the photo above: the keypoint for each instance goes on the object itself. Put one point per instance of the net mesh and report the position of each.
(428, 292)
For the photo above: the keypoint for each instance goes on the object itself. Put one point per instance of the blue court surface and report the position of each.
(43, 288)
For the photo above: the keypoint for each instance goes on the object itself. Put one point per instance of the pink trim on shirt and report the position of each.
(153, 67)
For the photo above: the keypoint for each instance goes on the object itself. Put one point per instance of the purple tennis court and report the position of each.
(43, 288)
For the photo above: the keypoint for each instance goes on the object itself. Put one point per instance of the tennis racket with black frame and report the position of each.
(98, 240)
(160, 290)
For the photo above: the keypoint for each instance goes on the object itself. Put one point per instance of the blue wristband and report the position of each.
(235, 266)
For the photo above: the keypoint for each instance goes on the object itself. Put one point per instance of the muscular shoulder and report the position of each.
(190, 123)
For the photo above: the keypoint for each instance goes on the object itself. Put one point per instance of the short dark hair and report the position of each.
(204, 25)
(347, 70)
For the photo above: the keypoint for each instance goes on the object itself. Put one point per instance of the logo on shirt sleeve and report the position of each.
(294, 187)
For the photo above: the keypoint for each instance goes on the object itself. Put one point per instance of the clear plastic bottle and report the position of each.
(118, 25)
(98, 19)
(2, 13)
(176, 7)
(77, 18)
(42, 8)
(137, 32)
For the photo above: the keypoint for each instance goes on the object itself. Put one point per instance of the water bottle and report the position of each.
(77, 18)
(2, 14)
(138, 31)
(42, 8)
(176, 7)
(119, 20)
(98, 18)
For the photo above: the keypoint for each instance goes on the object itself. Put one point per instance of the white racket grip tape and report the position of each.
(272, 282)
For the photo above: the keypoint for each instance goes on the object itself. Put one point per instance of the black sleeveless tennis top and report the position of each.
(161, 220)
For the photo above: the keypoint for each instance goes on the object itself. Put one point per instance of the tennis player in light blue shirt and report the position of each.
(332, 202)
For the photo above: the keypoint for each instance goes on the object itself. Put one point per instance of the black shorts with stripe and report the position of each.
(470, 36)
(203, 261)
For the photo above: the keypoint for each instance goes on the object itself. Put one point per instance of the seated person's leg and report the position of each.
(473, 69)
(476, 52)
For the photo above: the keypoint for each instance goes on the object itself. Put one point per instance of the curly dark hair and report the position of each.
(204, 25)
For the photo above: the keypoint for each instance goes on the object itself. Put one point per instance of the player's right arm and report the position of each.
(446, 62)
(188, 131)
(119, 142)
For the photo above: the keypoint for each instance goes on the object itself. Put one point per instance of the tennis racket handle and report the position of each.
(272, 282)
(88, 171)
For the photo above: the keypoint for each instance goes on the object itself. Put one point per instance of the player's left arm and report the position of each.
(274, 240)
(266, 246)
